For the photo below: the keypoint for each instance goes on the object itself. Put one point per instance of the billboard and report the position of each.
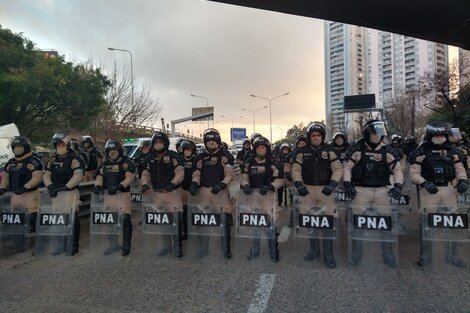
(203, 110)
(237, 134)
(359, 102)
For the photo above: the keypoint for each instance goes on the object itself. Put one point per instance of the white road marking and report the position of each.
(263, 292)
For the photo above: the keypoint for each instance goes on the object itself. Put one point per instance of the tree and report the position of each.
(119, 114)
(406, 116)
(42, 94)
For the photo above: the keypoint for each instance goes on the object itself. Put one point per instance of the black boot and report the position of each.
(203, 246)
(356, 253)
(314, 251)
(273, 247)
(126, 234)
(177, 239)
(113, 245)
(451, 255)
(387, 254)
(227, 235)
(60, 247)
(425, 250)
(255, 249)
(184, 222)
(328, 256)
(73, 241)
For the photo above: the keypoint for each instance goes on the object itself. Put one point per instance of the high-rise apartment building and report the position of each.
(376, 62)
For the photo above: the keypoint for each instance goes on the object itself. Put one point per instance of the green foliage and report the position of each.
(293, 133)
(43, 94)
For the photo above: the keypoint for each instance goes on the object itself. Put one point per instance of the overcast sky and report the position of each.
(183, 47)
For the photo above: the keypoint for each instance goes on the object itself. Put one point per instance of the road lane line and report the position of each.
(263, 292)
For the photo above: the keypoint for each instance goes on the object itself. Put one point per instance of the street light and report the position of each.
(270, 113)
(207, 105)
(254, 130)
(232, 119)
(132, 71)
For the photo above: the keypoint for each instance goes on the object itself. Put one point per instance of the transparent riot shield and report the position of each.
(161, 227)
(373, 241)
(106, 226)
(445, 237)
(14, 226)
(407, 218)
(316, 233)
(55, 225)
(342, 204)
(209, 230)
(256, 228)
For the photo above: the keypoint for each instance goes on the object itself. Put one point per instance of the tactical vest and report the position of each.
(316, 168)
(438, 168)
(19, 174)
(61, 169)
(212, 169)
(113, 174)
(92, 160)
(260, 174)
(372, 170)
(189, 167)
(340, 153)
(161, 171)
(139, 162)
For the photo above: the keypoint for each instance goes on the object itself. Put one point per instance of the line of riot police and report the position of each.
(192, 187)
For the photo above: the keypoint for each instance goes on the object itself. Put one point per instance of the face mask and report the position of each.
(61, 150)
(159, 146)
(375, 139)
(212, 145)
(301, 144)
(261, 151)
(113, 154)
(18, 150)
(438, 140)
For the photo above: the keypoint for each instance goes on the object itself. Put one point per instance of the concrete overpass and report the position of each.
(444, 21)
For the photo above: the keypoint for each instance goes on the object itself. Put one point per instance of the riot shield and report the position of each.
(407, 219)
(55, 224)
(14, 226)
(445, 237)
(106, 226)
(342, 204)
(256, 227)
(373, 237)
(161, 227)
(316, 233)
(209, 231)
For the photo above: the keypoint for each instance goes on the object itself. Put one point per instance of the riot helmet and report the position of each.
(299, 140)
(374, 131)
(178, 145)
(337, 139)
(253, 137)
(188, 145)
(113, 149)
(436, 129)
(211, 138)
(87, 142)
(61, 143)
(261, 141)
(316, 127)
(20, 145)
(160, 147)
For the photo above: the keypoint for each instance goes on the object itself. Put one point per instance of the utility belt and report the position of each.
(370, 185)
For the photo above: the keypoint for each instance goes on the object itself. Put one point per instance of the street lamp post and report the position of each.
(281, 131)
(207, 105)
(232, 119)
(132, 71)
(270, 112)
(254, 111)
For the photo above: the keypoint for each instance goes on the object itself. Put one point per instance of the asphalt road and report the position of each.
(85, 283)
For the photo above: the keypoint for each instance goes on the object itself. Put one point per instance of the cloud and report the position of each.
(180, 47)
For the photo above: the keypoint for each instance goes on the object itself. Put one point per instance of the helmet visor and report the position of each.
(455, 133)
(377, 128)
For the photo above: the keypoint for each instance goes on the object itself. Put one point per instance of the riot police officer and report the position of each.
(281, 158)
(144, 148)
(436, 166)
(261, 172)
(213, 174)
(95, 157)
(340, 145)
(164, 173)
(409, 146)
(178, 146)
(316, 173)
(189, 154)
(300, 141)
(22, 175)
(116, 173)
(367, 169)
(456, 139)
(64, 172)
(242, 152)
(76, 147)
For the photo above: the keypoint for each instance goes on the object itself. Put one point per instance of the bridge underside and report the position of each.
(444, 21)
